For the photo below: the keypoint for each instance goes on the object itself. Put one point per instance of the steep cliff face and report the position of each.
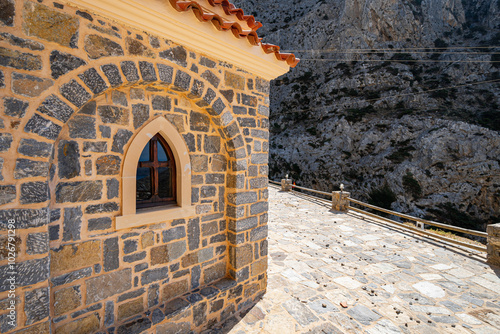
(397, 99)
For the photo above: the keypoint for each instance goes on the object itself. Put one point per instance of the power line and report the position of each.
(401, 95)
(396, 49)
(400, 60)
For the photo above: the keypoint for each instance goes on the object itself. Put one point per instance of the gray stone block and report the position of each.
(111, 254)
(103, 207)
(34, 148)
(96, 224)
(147, 71)
(34, 192)
(177, 54)
(72, 223)
(42, 127)
(140, 113)
(93, 81)
(182, 81)
(68, 159)
(153, 275)
(62, 63)
(165, 73)
(258, 233)
(129, 69)
(107, 285)
(78, 191)
(112, 72)
(30, 168)
(194, 234)
(175, 233)
(120, 139)
(28, 273)
(14, 107)
(75, 93)
(25, 218)
(36, 305)
(82, 127)
(113, 187)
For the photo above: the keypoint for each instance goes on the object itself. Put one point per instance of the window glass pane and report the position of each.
(145, 153)
(162, 154)
(164, 182)
(144, 189)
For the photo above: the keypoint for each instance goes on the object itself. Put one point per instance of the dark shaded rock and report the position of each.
(50, 25)
(200, 314)
(112, 72)
(14, 107)
(7, 194)
(78, 191)
(97, 47)
(157, 316)
(199, 122)
(197, 89)
(211, 144)
(131, 295)
(141, 114)
(103, 207)
(229, 95)
(68, 159)
(54, 107)
(165, 72)
(119, 98)
(121, 138)
(130, 71)
(135, 257)
(153, 295)
(182, 81)
(85, 15)
(5, 141)
(28, 273)
(155, 42)
(147, 71)
(175, 307)
(25, 218)
(190, 142)
(113, 187)
(194, 234)
(34, 192)
(71, 277)
(89, 108)
(29, 168)
(97, 224)
(19, 60)
(218, 106)
(54, 232)
(136, 48)
(94, 81)
(109, 314)
(129, 246)
(111, 254)
(33, 148)
(86, 310)
(42, 127)
(62, 63)
(108, 165)
(210, 77)
(36, 305)
(113, 115)
(7, 12)
(207, 62)
(153, 275)
(2, 80)
(195, 277)
(72, 223)
(107, 285)
(105, 131)
(249, 100)
(135, 326)
(161, 102)
(178, 55)
(175, 233)
(75, 93)
(98, 147)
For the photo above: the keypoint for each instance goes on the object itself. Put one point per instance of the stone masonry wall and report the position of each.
(75, 90)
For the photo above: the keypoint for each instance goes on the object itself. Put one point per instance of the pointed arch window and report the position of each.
(155, 181)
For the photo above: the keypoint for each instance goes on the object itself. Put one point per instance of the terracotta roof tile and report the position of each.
(232, 22)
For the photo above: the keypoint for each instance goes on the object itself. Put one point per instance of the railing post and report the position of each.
(286, 184)
(493, 246)
(340, 201)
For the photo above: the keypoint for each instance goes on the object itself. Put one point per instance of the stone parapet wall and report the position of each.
(75, 89)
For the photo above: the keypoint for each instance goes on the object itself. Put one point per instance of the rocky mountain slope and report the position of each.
(397, 99)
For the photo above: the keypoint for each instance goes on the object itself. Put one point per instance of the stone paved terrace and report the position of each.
(391, 281)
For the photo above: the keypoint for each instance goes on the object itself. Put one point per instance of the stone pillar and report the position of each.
(286, 184)
(340, 201)
(493, 244)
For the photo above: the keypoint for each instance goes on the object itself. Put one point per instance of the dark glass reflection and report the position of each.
(162, 154)
(143, 183)
(164, 182)
(145, 153)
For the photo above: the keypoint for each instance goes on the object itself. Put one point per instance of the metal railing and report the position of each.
(407, 217)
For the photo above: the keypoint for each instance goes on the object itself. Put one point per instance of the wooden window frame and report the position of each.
(181, 208)
(154, 165)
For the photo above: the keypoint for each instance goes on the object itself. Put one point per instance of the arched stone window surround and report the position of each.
(130, 216)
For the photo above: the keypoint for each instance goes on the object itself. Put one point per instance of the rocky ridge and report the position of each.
(413, 129)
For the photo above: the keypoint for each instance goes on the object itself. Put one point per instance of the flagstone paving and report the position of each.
(336, 273)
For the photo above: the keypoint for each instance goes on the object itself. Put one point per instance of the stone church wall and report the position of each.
(76, 88)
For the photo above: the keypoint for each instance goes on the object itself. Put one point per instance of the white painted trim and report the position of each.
(160, 18)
